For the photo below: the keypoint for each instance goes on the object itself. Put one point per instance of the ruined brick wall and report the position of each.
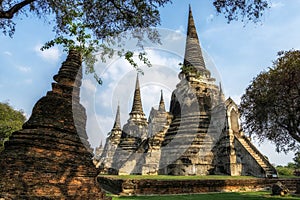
(128, 187)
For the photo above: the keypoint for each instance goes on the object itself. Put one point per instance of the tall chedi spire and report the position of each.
(117, 124)
(137, 107)
(133, 133)
(193, 59)
(221, 94)
(137, 102)
(161, 106)
(192, 104)
(105, 160)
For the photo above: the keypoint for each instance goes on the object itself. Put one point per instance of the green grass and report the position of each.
(167, 177)
(212, 196)
(288, 176)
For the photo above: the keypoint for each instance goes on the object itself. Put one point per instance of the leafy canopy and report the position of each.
(252, 10)
(10, 120)
(86, 23)
(271, 105)
(113, 16)
(296, 160)
(105, 18)
(93, 26)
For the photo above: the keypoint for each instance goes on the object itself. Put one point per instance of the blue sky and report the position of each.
(236, 52)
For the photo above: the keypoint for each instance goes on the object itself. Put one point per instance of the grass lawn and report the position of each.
(283, 176)
(168, 177)
(212, 196)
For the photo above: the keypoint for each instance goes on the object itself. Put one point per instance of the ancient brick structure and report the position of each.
(50, 158)
(200, 135)
(104, 160)
(159, 122)
(134, 186)
(187, 147)
(133, 134)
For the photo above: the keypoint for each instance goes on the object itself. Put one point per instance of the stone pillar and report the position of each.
(50, 158)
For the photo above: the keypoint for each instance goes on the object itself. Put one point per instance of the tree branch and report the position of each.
(120, 8)
(13, 10)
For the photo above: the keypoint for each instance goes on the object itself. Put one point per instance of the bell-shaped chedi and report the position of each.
(195, 106)
(50, 158)
(133, 133)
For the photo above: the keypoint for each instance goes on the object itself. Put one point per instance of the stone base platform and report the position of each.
(127, 187)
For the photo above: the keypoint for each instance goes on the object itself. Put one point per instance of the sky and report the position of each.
(235, 53)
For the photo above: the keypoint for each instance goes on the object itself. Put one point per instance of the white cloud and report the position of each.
(28, 81)
(174, 35)
(51, 55)
(210, 18)
(181, 29)
(8, 53)
(97, 127)
(24, 69)
(89, 85)
(278, 4)
(27, 115)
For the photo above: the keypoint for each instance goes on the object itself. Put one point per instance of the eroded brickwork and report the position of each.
(50, 158)
(200, 135)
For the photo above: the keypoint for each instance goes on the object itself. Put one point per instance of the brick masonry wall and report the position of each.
(162, 187)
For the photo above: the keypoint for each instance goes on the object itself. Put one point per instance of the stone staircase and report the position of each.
(270, 171)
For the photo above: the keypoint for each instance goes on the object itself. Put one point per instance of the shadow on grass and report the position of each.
(214, 196)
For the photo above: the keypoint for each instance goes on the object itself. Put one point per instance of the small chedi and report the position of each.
(50, 158)
(200, 135)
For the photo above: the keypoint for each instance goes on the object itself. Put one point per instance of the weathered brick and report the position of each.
(51, 157)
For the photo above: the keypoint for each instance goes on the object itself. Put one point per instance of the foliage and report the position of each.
(10, 120)
(91, 26)
(241, 9)
(188, 69)
(265, 195)
(123, 15)
(292, 169)
(297, 160)
(285, 171)
(270, 107)
(106, 18)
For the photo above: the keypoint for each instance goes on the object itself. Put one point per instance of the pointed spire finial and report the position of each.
(221, 90)
(193, 54)
(137, 82)
(117, 124)
(137, 102)
(221, 94)
(161, 103)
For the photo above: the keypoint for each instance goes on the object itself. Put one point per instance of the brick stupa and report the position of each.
(50, 158)
(200, 135)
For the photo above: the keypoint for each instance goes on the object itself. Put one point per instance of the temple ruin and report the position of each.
(50, 158)
(200, 135)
